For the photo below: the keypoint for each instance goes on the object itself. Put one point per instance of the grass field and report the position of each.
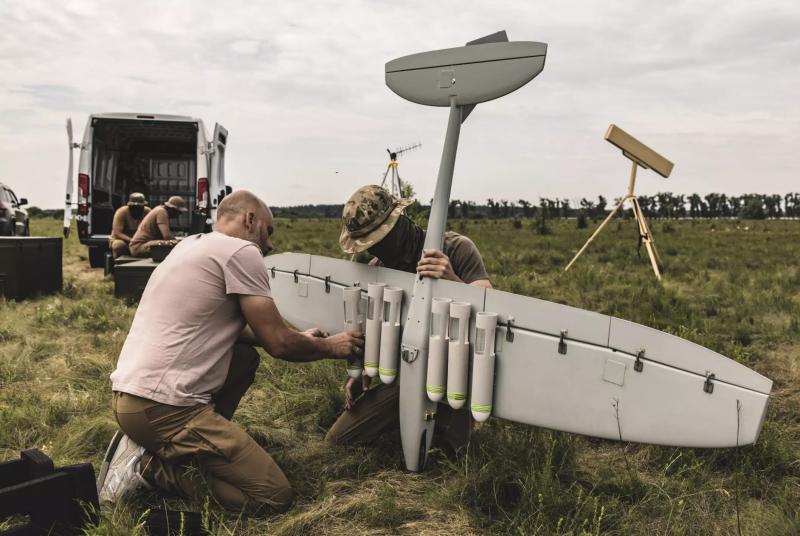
(731, 286)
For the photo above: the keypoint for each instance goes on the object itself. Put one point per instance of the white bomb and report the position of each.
(372, 343)
(437, 349)
(458, 354)
(483, 366)
(390, 333)
(353, 321)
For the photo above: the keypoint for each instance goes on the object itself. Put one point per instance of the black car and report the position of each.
(13, 218)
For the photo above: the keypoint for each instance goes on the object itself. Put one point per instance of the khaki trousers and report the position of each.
(239, 474)
(377, 411)
(142, 249)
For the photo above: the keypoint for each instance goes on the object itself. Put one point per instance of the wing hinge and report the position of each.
(708, 386)
(562, 343)
(638, 365)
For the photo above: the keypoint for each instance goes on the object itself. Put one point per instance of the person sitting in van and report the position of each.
(126, 221)
(154, 229)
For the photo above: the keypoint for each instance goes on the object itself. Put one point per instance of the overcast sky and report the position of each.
(713, 86)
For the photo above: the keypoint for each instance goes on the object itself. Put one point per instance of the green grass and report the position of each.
(731, 286)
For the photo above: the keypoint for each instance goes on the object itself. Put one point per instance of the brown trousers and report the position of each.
(377, 411)
(239, 473)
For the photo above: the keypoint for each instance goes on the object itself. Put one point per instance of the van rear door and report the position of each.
(216, 176)
(68, 202)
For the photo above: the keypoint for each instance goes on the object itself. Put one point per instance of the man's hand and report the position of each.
(316, 333)
(269, 330)
(346, 345)
(436, 264)
(353, 389)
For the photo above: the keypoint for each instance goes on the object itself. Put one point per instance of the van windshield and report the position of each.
(156, 158)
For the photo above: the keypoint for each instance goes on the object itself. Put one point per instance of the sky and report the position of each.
(711, 85)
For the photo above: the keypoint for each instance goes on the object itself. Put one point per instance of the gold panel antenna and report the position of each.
(640, 155)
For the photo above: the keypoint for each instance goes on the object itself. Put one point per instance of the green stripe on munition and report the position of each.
(435, 389)
(456, 396)
(370, 364)
(481, 408)
(387, 372)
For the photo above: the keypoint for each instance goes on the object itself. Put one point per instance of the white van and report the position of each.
(155, 154)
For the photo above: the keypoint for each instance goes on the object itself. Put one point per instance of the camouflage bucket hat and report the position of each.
(177, 203)
(368, 216)
(136, 200)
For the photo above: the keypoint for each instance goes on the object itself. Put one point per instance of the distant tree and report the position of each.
(713, 202)
(694, 205)
(407, 190)
(452, 208)
(543, 214)
(680, 206)
(601, 206)
(494, 208)
(774, 206)
(34, 212)
(565, 208)
(527, 210)
(646, 203)
(752, 207)
(504, 202)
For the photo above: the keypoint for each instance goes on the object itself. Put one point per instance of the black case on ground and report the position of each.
(55, 501)
(30, 265)
(131, 278)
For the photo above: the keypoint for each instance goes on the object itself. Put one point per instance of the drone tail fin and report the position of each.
(497, 37)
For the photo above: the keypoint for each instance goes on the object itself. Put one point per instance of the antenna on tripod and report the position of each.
(643, 156)
(395, 185)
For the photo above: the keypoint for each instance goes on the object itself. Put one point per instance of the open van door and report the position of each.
(216, 176)
(68, 202)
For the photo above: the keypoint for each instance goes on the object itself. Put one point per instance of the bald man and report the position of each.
(188, 360)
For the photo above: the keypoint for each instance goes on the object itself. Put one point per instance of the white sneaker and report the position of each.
(120, 471)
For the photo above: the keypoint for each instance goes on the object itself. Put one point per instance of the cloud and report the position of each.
(301, 88)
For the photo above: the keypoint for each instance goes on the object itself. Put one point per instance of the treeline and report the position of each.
(660, 205)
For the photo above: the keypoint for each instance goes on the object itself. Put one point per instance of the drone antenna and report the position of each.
(395, 181)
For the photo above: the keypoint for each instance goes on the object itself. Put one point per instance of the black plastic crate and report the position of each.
(30, 265)
(51, 500)
(131, 278)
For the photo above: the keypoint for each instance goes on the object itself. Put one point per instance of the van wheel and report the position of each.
(97, 256)
(27, 230)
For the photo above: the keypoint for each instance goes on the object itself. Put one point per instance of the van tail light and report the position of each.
(202, 194)
(83, 194)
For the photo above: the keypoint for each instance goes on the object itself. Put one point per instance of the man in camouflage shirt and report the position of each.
(374, 221)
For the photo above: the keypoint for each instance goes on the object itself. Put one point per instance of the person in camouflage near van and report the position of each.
(373, 220)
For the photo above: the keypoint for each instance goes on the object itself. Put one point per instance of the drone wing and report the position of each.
(307, 289)
(560, 367)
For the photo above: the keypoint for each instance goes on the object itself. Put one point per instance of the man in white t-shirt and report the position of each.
(188, 360)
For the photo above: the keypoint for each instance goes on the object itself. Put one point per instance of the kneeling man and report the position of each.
(187, 362)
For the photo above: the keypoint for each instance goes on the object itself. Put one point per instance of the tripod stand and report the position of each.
(395, 184)
(644, 230)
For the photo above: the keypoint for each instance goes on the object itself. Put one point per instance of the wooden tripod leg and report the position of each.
(389, 167)
(652, 240)
(608, 219)
(655, 261)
